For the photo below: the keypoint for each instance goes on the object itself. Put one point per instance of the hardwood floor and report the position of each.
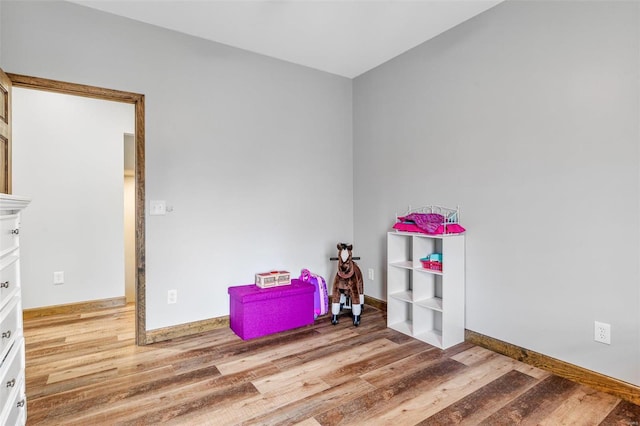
(84, 369)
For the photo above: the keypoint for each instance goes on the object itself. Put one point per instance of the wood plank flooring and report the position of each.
(84, 369)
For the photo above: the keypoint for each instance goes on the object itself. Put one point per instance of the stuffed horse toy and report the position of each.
(348, 283)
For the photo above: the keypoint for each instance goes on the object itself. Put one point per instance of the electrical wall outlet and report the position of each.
(602, 332)
(370, 274)
(58, 277)
(172, 296)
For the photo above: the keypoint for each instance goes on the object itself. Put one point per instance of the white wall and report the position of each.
(254, 154)
(129, 218)
(528, 118)
(129, 239)
(68, 156)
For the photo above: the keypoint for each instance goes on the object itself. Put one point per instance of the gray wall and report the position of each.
(252, 153)
(527, 117)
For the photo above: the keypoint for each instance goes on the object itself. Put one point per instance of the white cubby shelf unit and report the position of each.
(426, 304)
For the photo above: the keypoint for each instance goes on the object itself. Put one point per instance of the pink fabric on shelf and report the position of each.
(455, 228)
(452, 228)
(429, 222)
(407, 227)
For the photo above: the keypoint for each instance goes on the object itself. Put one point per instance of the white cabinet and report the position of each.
(424, 303)
(13, 408)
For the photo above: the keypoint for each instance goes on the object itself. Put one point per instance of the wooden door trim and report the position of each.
(5, 129)
(138, 101)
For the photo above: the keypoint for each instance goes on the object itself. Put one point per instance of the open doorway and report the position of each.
(137, 100)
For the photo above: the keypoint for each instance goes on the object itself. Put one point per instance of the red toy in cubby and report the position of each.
(432, 262)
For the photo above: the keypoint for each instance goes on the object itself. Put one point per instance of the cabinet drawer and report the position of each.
(9, 228)
(10, 325)
(15, 410)
(8, 278)
(12, 370)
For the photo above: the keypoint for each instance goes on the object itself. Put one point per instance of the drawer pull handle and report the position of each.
(11, 383)
(4, 284)
(15, 231)
(20, 403)
(6, 334)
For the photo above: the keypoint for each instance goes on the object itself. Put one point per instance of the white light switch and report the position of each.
(157, 207)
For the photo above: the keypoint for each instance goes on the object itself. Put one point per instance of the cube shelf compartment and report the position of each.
(424, 303)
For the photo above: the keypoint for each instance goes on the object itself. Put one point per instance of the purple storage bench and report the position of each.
(255, 311)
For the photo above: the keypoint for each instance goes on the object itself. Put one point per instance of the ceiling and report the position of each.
(346, 37)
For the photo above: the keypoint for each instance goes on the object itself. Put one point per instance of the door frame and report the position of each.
(5, 133)
(137, 100)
